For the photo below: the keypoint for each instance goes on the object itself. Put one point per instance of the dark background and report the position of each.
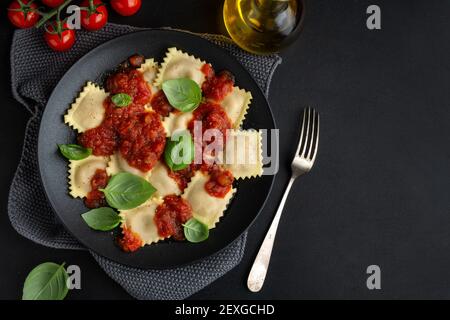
(379, 191)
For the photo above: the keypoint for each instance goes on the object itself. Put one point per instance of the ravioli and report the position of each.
(163, 183)
(177, 121)
(87, 111)
(149, 70)
(243, 153)
(236, 104)
(81, 173)
(140, 220)
(178, 64)
(206, 208)
(117, 164)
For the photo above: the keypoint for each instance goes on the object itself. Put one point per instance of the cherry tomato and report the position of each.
(126, 7)
(94, 18)
(53, 3)
(61, 41)
(26, 17)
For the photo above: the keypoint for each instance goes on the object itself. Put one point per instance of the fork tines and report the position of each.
(309, 136)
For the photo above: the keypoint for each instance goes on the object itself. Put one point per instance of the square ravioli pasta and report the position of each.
(141, 221)
(178, 64)
(87, 111)
(149, 70)
(81, 173)
(117, 164)
(206, 208)
(235, 105)
(243, 153)
(164, 184)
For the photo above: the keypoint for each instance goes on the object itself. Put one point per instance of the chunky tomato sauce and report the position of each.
(220, 182)
(131, 82)
(129, 241)
(96, 198)
(171, 215)
(212, 116)
(160, 104)
(137, 133)
(218, 185)
(142, 140)
(216, 86)
(182, 177)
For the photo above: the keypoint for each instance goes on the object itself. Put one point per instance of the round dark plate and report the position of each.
(244, 208)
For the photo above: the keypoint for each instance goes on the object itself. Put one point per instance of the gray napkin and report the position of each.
(35, 70)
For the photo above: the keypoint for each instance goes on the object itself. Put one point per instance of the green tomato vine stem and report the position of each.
(55, 12)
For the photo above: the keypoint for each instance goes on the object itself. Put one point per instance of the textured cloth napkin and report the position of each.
(35, 71)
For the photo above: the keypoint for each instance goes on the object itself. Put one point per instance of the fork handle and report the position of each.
(258, 271)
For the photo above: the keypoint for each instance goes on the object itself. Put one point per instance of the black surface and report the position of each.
(379, 192)
(242, 210)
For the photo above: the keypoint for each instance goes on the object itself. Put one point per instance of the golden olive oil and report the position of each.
(263, 26)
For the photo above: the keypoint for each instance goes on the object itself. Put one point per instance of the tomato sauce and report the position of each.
(216, 86)
(160, 104)
(137, 133)
(96, 198)
(131, 82)
(182, 177)
(142, 140)
(170, 216)
(220, 182)
(218, 185)
(212, 116)
(103, 140)
(129, 241)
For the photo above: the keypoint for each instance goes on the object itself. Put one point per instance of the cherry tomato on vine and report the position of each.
(59, 37)
(126, 7)
(53, 3)
(94, 18)
(23, 13)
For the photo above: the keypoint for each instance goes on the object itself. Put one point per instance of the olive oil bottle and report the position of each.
(263, 26)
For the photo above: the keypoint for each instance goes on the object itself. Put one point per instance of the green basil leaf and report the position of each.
(179, 151)
(47, 281)
(74, 151)
(183, 94)
(127, 191)
(102, 219)
(195, 231)
(121, 100)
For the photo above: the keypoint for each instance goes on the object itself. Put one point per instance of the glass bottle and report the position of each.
(263, 26)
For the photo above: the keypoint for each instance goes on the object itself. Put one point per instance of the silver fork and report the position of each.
(302, 163)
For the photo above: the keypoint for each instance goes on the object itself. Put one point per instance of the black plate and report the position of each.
(245, 206)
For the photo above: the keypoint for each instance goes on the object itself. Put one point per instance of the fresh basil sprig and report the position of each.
(121, 100)
(47, 281)
(179, 151)
(102, 219)
(74, 151)
(127, 191)
(195, 230)
(183, 94)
